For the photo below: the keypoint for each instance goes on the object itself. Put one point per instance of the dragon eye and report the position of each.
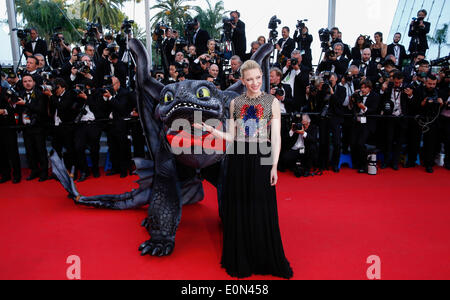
(203, 92)
(168, 97)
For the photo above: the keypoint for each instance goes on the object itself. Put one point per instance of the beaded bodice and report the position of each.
(253, 118)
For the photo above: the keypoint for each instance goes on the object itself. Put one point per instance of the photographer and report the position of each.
(218, 81)
(302, 145)
(334, 61)
(357, 51)
(430, 108)
(233, 75)
(281, 91)
(81, 70)
(63, 110)
(32, 70)
(166, 51)
(238, 35)
(35, 45)
(120, 102)
(418, 30)
(296, 76)
(444, 120)
(410, 70)
(285, 45)
(60, 52)
(351, 82)
(215, 57)
(394, 103)
(363, 103)
(336, 37)
(304, 41)
(88, 130)
(379, 49)
(32, 111)
(14, 82)
(368, 69)
(330, 100)
(112, 66)
(200, 38)
(254, 47)
(9, 150)
(173, 74)
(397, 50)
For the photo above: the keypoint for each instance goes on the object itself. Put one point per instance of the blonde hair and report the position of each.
(249, 65)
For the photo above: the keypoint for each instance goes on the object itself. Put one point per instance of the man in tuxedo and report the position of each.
(410, 70)
(418, 30)
(394, 103)
(367, 68)
(9, 150)
(63, 111)
(281, 91)
(296, 75)
(336, 63)
(167, 46)
(285, 45)
(33, 114)
(35, 45)
(301, 148)
(397, 50)
(336, 37)
(120, 102)
(363, 105)
(238, 35)
(111, 66)
(254, 47)
(200, 39)
(32, 70)
(332, 118)
(88, 130)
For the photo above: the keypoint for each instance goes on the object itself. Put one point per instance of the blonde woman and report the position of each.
(251, 235)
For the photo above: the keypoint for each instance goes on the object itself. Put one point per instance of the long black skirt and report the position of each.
(251, 234)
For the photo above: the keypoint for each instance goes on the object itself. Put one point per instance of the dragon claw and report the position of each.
(157, 248)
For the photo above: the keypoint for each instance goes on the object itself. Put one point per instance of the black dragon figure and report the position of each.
(170, 178)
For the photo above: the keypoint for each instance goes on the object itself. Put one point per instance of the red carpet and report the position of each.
(330, 226)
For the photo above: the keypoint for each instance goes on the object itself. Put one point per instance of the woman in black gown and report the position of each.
(251, 235)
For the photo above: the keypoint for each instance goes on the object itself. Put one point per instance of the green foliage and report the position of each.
(440, 38)
(46, 16)
(211, 18)
(172, 12)
(104, 12)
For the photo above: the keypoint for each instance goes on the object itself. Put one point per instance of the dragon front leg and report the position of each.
(164, 212)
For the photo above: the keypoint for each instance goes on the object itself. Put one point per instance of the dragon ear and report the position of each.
(143, 69)
(262, 57)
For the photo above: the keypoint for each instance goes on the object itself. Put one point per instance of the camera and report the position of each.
(55, 39)
(357, 98)
(107, 88)
(127, 25)
(92, 29)
(273, 25)
(279, 91)
(22, 33)
(47, 86)
(48, 76)
(444, 61)
(330, 53)
(294, 61)
(12, 95)
(82, 67)
(325, 36)
(301, 24)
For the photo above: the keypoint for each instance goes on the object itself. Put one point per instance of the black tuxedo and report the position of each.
(402, 55)
(371, 72)
(104, 68)
(239, 40)
(347, 53)
(65, 109)
(394, 132)
(289, 157)
(167, 57)
(9, 150)
(200, 40)
(340, 65)
(362, 132)
(286, 51)
(35, 110)
(356, 54)
(40, 47)
(418, 36)
(299, 91)
(121, 105)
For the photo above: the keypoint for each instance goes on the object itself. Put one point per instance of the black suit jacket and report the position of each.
(403, 55)
(201, 42)
(41, 47)
(289, 46)
(356, 54)
(36, 108)
(239, 40)
(372, 104)
(66, 106)
(386, 99)
(421, 35)
(372, 70)
(340, 65)
(310, 140)
(299, 92)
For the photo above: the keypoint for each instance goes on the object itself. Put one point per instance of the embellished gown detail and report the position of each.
(251, 236)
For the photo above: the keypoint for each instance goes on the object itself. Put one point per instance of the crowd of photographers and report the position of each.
(370, 96)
